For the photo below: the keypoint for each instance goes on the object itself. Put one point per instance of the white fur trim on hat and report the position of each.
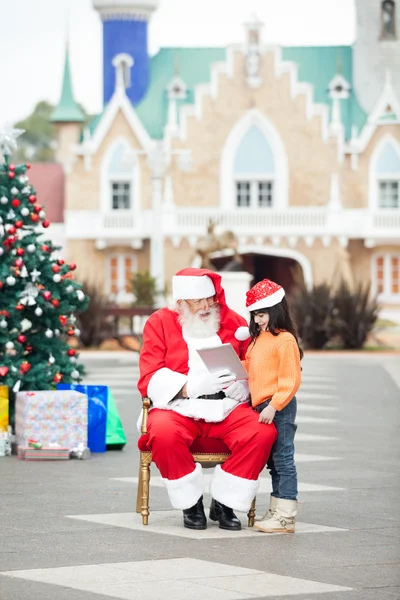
(192, 287)
(269, 301)
(233, 491)
(242, 333)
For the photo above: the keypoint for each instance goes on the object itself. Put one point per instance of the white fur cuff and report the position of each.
(236, 492)
(185, 491)
(164, 385)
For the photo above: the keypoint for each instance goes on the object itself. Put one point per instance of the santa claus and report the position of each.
(188, 402)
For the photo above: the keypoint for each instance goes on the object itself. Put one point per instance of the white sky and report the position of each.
(33, 33)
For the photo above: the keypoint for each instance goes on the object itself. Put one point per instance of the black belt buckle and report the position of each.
(218, 396)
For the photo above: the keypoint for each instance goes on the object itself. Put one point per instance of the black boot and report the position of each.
(225, 516)
(195, 517)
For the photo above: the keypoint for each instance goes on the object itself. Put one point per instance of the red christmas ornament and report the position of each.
(72, 266)
(71, 332)
(28, 348)
(1, 284)
(60, 261)
(25, 367)
(45, 248)
(3, 371)
(55, 302)
(32, 199)
(20, 251)
(15, 202)
(19, 224)
(46, 224)
(19, 262)
(57, 377)
(47, 295)
(34, 217)
(28, 165)
(11, 174)
(21, 338)
(37, 208)
(71, 352)
(11, 167)
(20, 307)
(63, 320)
(55, 269)
(12, 230)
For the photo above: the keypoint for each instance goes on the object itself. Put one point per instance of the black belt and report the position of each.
(218, 396)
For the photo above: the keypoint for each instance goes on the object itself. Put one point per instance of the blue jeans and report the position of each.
(281, 463)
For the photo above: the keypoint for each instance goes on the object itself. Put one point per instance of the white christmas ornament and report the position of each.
(24, 211)
(1, 251)
(35, 274)
(69, 289)
(8, 137)
(80, 295)
(57, 332)
(48, 333)
(3, 200)
(14, 191)
(28, 296)
(42, 214)
(52, 360)
(77, 332)
(24, 272)
(17, 386)
(11, 214)
(25, 324)
(38, 311)
(31, 247)
(73, 359)
(10, 280)
(26, 189)
(75, 374)
(57, 278)
(9, 345)
(3, 324)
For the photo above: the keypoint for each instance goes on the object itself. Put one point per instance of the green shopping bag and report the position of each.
(115, 436)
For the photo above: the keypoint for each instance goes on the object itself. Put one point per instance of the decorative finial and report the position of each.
(8, 137)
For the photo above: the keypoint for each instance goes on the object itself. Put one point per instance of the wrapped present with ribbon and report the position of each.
(4, 408)
(51, 418)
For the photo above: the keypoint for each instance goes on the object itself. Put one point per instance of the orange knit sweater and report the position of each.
(273, 365)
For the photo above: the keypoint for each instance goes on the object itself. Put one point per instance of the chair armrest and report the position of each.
(146, 403)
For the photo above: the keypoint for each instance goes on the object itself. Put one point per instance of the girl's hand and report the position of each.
(267, 415)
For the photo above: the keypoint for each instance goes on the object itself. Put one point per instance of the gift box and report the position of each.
(55, 417)
(27, 453)
(3, 408)
(97, 412)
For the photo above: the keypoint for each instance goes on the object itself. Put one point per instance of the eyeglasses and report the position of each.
(211, 300)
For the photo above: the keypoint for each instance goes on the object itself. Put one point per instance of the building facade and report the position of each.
(294, 149)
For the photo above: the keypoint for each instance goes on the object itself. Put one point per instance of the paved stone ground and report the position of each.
(68, 530)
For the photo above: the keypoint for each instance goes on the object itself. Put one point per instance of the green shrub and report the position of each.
(355, 314)
(144, 289)
(313, 313)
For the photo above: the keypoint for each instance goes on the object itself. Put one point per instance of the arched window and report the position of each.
(388, 177)
(120, 178)
(123, 64)
(254, 170)
(385, 175)
(388, 20)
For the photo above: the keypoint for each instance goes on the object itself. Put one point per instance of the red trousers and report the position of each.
(171, 435)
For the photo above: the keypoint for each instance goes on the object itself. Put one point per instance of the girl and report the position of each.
(273, 363)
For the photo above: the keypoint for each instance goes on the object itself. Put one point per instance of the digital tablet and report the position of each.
(223, 357)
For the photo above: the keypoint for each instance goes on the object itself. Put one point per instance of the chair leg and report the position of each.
(145, 476)
(139, 488)
(251, 515)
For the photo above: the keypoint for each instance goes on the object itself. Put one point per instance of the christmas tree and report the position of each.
(38, 294)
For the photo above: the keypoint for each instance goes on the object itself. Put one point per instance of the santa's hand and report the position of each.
(238, 390)
(209, 383)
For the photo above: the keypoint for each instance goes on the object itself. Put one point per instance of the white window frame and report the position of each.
(116, 181)
(228, 177)
(107, 178)
(386, 296)
(375, 177)
(121, 296)
(388, 178)
(254, 180)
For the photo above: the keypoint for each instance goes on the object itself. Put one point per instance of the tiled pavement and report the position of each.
(67, 530)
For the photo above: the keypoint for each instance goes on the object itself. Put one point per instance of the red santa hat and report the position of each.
(264, 294)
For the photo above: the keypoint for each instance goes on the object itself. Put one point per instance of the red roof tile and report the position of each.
(48, 181)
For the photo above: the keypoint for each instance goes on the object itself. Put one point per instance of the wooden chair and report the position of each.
(207, 460)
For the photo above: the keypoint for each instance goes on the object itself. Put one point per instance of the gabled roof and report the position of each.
(67, 110)
(317, 65)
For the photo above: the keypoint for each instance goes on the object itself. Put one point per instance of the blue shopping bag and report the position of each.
(97, 412)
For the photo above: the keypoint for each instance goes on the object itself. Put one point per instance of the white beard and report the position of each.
(194, 326)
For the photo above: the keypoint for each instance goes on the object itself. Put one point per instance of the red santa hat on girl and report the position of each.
(264, 294)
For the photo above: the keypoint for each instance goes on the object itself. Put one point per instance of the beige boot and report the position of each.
(282, 521)
(273, 501)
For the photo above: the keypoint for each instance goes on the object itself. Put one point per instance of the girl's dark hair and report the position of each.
(280, 320)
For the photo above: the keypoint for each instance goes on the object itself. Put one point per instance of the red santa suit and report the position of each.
(167, 360)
